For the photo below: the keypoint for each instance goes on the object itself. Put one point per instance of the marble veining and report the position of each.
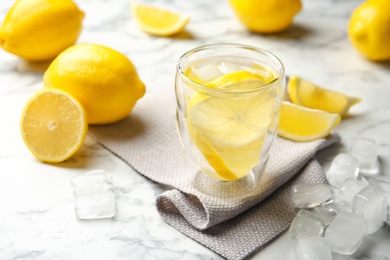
(37, 219)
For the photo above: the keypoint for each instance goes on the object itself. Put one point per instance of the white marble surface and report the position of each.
(37, 219)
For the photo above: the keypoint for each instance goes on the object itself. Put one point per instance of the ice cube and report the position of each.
(311, 195)
(226, 67)
(343, 167)
(205, 71)
(345, 233)
(371, 204)
(326, 212)
(365, 151)
(350, 188)
(310, 248)
(306, 223)
(96, 205)
(92, 182)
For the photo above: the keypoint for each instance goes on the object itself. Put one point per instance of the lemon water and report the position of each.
(228, 119)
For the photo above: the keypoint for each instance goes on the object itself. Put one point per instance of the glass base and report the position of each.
(228, 189)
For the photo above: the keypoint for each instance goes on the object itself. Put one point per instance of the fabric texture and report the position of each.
(231, 219)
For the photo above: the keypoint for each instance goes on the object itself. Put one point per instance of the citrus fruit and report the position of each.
(38, 30)
(157, 21)
(303, 124)
(103, 80)
(305, 93)
(369, 29)
(238, 77)
(266, 16)
(53, 125)
(230, 131)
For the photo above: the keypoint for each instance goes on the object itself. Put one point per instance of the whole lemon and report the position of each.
(38, 30)
(266, 16)
(103, 80)
(369, 29)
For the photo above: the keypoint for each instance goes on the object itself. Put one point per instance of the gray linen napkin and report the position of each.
(197, 206)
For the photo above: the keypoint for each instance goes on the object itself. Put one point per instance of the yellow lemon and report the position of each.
(104, 81)
(305, 93)
(157, 21)
(302, 124)
(229, 131)
(369, 29)
(266, 16)
(38, 30)
(53, 125)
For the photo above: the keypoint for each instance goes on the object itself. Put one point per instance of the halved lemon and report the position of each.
(305, 93)
(53, 125)
(303, 124)
(157, 21)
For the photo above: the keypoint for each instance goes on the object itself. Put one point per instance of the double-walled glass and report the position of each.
(228, 100)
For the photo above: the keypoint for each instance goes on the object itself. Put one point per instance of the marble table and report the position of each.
(37, 218)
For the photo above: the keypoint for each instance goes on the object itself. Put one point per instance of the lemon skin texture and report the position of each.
(103, 80)
(38, 30)
(369, 29)
(266, 16)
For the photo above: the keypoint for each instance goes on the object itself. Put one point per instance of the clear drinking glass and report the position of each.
(228, 99)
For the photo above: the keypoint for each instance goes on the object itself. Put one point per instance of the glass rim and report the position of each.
(205, 88)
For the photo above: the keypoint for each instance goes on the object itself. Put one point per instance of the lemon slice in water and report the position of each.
(230, 131)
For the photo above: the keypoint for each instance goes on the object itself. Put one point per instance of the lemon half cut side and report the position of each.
(53, 125)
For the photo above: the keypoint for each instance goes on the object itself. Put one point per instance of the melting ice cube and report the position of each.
(96, 205)
(326, 212)
(311, 195)
(371, 204)
(343, 167)
(365, 151)
(306, 223)
(205, 71)
(345, 233)
(309, 248)
(350, 188)
(92, 182)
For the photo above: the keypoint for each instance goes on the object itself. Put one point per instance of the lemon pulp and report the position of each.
(53, 125)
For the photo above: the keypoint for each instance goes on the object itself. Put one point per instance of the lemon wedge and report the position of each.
(305, 93)
(53, 125)
(229, 131)
(303, 124)
(156, 21)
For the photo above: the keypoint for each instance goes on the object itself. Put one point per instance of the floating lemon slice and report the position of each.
(244, 76)
(229, 131)
(303, 92)
(302, 124)
(53, 125)
(157, 21)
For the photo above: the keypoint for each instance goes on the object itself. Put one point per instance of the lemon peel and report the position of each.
(303, 124)
(305, 93)
(104, 80)
(38, 30)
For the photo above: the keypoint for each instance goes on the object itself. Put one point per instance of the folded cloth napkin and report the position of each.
(234, 225)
